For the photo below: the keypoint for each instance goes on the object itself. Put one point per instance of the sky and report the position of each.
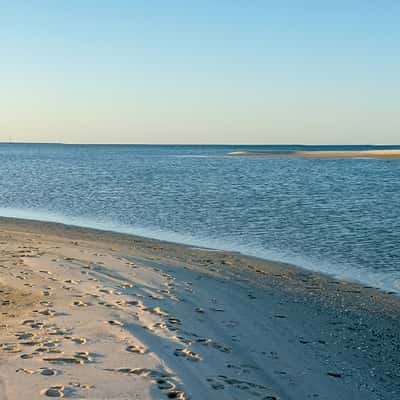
(210, 71)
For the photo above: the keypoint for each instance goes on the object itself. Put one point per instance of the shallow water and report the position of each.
(340, 216)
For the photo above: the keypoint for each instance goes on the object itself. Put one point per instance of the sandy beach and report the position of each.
(99, 315)
(384, 153)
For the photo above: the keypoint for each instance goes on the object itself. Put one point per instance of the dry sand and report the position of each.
(384, 153)
(96, 315)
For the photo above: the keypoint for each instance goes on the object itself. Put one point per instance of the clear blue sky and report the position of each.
(200, 71)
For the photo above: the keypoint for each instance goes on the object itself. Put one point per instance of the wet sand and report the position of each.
(387, 154)
(96, 315)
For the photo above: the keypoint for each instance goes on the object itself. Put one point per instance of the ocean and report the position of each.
(337, 216)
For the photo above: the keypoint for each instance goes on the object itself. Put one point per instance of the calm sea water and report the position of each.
(340, 216)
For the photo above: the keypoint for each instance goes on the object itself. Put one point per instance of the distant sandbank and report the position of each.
(381, 153)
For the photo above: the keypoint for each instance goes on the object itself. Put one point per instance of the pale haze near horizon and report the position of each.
(214, 72)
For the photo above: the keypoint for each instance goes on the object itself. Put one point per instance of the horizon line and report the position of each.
(194, 144)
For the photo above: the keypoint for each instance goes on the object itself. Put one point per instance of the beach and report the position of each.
(200, 201)
(100, 315)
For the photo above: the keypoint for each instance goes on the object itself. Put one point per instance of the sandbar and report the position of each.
(384, 153)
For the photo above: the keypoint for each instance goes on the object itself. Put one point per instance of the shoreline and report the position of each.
(159, 319)
(289, 264)
(79, 232)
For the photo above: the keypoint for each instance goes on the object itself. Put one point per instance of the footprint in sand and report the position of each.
(59, 332)
(84, 355)
(107, 291)
(26, 356)
(188, 354)
(55, 351)
(71, 281)
(30, 343)
(157, 325)
(82, 385)
(133, 265)
(24, 335)
(164, 384)
(126, 285)
(41, 350)
(25, 371)
(173, 323)
(176, 394)
(54, 391)
(155, 297)
(78, 340)
(210, 342)
(47, 312)
(182, 339)
(79, 303)
(65, 360)
(115, 323)
(51, 343)
(35, 324)
(136, 303)
(172, 393)
(143, 372)
(11, 347)
(173, 320)
(48, 372)
(158, 311)
(135, 371)
(133, 348)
